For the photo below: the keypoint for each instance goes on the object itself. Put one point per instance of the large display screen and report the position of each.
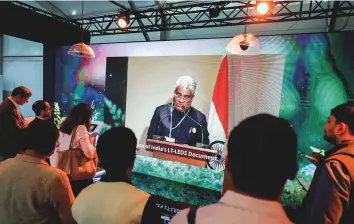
(297, 77)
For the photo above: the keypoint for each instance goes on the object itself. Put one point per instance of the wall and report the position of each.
(317, 75)
(1, 88)
(22, 65)
(314, 72)
(255, 86)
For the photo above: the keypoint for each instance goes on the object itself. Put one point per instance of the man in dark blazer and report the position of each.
(43, 112)
(12, 122)
(179, 121)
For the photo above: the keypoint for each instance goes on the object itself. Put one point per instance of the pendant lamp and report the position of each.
(244, 44)
(81, 49)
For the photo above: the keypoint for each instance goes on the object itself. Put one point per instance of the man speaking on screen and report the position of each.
(178, 121)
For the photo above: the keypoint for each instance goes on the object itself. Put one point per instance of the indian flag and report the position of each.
(218, 114)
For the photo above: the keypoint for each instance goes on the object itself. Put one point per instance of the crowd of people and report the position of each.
(261, 157)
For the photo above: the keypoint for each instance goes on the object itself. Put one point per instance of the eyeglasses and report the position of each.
(185, 98)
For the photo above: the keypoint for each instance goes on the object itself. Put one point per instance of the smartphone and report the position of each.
(311, 158)
(93, 134)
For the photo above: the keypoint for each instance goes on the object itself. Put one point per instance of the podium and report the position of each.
(179, 153)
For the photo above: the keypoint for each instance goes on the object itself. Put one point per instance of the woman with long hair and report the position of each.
(76, 128)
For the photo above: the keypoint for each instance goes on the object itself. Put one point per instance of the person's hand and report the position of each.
(94, 134)
(92, 139)
(57, 144)
(315, 158)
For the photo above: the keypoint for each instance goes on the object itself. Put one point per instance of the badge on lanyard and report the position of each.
(193, 130)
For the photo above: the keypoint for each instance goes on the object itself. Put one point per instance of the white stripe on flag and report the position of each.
(215, 128)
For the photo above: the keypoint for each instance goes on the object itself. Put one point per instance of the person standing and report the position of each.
(257, 175)
(12, 122)
(74, 132)
(31, 191)
(330, 196)
(42, 110)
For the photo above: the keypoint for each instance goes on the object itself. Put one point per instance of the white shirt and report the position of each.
(16, 105)
(109, 203)
(25, 123)
(81, 140)
(236, 208)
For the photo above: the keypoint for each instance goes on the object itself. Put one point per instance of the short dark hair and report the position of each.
(262, 155)
(345, 113)
(116, 149)
(40, 136)
(79, 115)
(22, 91)
(38, 106)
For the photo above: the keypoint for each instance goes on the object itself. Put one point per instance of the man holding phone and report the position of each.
(315, 156)
(329, 197)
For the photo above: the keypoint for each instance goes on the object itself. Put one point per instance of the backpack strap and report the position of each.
(347, 162)
(192, 215)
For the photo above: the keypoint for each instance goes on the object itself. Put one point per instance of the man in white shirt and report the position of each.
(262, 156)
(113, 199)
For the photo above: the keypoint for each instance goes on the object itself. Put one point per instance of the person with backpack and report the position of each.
(330, 196)
(262, 156)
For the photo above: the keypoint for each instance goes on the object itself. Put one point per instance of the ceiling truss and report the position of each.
(197, 16)
(233, 13)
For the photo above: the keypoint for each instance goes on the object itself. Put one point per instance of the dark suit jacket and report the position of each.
(187, 132)
(11, 126)
(49, 121)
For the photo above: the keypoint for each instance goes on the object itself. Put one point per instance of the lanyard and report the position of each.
(172, 128)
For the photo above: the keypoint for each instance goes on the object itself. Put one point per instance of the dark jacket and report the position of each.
(193, 129)
(11, 126)
(49, 121)
(330, 196)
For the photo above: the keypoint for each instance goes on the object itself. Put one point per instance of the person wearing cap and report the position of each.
(179, 121)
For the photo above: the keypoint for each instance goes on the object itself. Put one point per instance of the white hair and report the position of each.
(187, 82)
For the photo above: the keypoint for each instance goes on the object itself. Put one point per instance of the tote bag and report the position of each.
(75, 164)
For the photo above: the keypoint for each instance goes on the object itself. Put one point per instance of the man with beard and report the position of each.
(42, 110)
(179, 121)
(330, 197)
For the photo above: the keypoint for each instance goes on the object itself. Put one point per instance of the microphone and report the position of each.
(184, 111)
(158, 125)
